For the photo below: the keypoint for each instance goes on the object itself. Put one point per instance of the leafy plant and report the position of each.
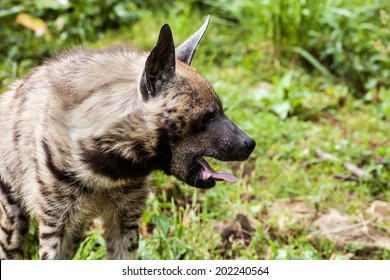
(92, 247)
(354, 44)
(346, 40)
(65, 23)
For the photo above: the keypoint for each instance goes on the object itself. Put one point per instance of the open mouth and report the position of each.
(208, 173)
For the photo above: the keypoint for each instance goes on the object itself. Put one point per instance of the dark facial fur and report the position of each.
(198, 127)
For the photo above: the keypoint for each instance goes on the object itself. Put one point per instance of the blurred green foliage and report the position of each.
(68, 23)
(344, 40)
(354, 44)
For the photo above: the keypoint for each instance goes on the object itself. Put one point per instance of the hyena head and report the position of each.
(191, 116)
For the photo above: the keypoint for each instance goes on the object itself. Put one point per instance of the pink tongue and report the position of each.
(208, 172)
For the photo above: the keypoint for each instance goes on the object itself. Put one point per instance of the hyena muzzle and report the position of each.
(81, 133)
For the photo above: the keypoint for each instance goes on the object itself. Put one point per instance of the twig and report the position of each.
(324, 156)
(361, 173)
(338, 230)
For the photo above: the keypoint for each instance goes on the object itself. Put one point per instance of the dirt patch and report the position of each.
(364, 234)
(292, 211)
(344, 230)
(380, 212)
(369, 231)
(239, 230)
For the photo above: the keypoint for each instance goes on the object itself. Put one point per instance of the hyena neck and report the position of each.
(126, 152)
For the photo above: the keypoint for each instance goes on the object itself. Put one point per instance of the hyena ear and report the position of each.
(186, 50)
(160, 64)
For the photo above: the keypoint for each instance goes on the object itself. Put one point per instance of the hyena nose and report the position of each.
(250, 145)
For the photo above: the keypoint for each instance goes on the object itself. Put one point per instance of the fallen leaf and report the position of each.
(35, 24)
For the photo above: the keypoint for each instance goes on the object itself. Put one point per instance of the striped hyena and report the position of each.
(81, 133)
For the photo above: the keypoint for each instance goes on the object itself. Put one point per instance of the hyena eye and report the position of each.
(208, 117)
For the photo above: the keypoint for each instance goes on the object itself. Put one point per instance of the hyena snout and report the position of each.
(235, 144)
(222, 140)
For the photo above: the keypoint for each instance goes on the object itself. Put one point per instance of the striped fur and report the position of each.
(81, 134)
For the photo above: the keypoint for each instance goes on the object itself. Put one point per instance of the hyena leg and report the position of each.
(13, 225)
(122, 235)
(61, 230)
(121, 227)
(59, 241)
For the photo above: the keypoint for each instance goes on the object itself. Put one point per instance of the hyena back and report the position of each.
(81, 133)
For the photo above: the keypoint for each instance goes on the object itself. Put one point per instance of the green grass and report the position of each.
(291, 111)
